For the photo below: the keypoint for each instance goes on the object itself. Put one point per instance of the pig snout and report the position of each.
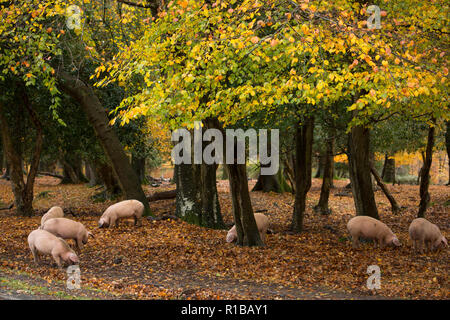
(396, 242)
(103, 224)
(231, 236)
(442, 243)
(73, 259)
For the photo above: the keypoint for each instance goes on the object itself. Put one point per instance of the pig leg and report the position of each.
(57, 259)
(35, 254)
(429, 246)
(263, 238)
(375, 243)
(79, 244)
(420, 245)
(355, 242)
(112, 222)
(137, 221)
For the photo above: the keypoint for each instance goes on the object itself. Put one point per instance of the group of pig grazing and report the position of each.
(421, 232)
(50, 238)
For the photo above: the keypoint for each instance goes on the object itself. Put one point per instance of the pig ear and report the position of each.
(100, 223)
(444, 241)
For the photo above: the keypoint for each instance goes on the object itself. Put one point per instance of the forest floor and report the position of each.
(170, 259)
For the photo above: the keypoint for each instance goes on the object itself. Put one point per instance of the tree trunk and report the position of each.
(69, 174)
(23, 192)
(321, 158)
(360, 176)
(6, 166)
(267, 183)
(163, 195)
(78, 167)
(394, 205)
(109, 180)
(244, 218)
(138, 165)
(93, 177)
(289, 170)
(425, 174)
(188, 200)
(211, 214)
(447, 145)
(87, 172)
(98, 118)
(388, 173)
(303, 166)
(383, 171)
(197, 199)
(327, 182)
(50, 174)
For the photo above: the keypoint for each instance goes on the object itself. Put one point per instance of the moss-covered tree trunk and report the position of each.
(197, 200)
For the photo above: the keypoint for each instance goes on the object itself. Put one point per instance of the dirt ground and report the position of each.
(170, 259)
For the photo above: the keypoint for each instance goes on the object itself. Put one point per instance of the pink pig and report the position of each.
(424, 233)
(68, 229)
(261, 221)
(370, 228)
(122, 210)
(41, 241)
(53, 212)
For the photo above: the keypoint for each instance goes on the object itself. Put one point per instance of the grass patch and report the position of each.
(27, 288)
(59, 294)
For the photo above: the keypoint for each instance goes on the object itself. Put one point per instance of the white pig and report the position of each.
(122, 210)
(370, 228)
(424, 233)
(54, 212)
(41, 241)
(262, 223)
(68, 229)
